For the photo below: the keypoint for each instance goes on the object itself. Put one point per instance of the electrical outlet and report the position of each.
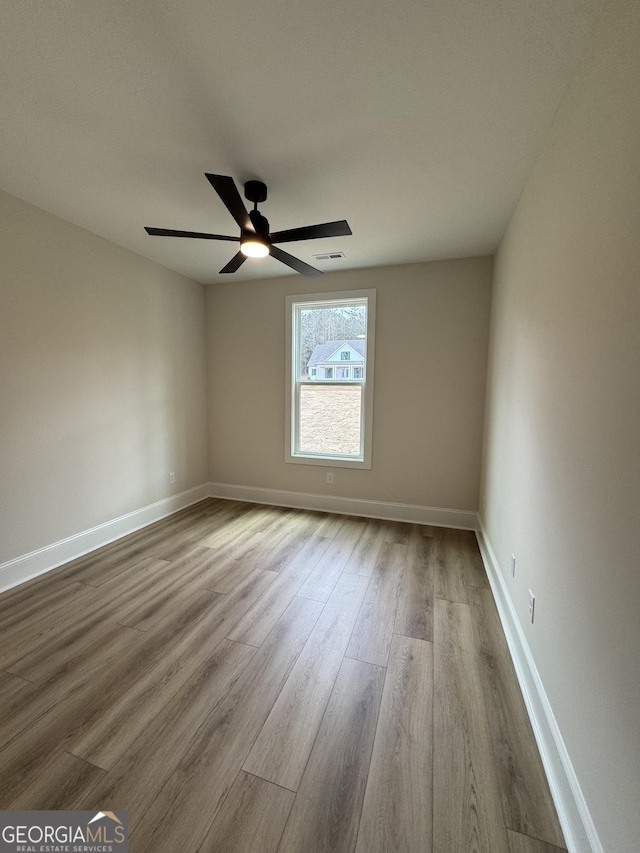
(532, 606)
(329, 476)
(172, 478)
(513, 566)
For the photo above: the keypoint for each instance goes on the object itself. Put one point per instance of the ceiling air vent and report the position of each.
(329, 256)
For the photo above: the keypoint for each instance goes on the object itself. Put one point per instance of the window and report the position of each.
(330, 405)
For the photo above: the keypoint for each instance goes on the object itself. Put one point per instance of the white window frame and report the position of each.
(324, 300)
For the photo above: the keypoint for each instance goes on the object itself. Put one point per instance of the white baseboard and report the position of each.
(460, 519)
(38, 562)
(575, 819)
(30, 565)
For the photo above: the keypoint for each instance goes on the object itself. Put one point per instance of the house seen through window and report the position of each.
(329, 402)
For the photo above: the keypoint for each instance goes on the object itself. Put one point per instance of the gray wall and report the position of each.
(562, 458)
(427, 424)
(102, 380)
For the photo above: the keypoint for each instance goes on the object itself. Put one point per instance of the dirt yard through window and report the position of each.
(330, 419)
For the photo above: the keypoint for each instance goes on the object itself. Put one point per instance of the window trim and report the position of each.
(367, 384)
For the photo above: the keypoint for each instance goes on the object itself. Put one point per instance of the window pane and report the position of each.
(328, 336)
(330, 419)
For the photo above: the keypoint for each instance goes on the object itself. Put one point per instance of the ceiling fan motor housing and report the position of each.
(259, 222)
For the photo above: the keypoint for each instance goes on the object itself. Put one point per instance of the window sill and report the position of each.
(328, 461)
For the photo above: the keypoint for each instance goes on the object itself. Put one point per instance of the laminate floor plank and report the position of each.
(207, 522)
(252, 817)
(190, 800)
(447, 566)
(122, 720)
(173, 547)
(523, 786)
(10, 684)
(397, 812)
(235, 530)
(330, 525)
(414, 615)
(193, 562)
(283, 746)
(39, 618)
(75, 626)
(81, 706)
(327, 807)
(35, 588)
(282, 547)
(63, 675)
(322, 580)
(22, 638)
(96, 568)
(371, 637)
(210, 518)
(365, 554)
(57, 784)
(472, 566)
(519, 843)
(397, 532)
(131, 583)
(68, 657)
(220, 507)
(307, 558)
(258, 621)
(118, 595)
(23, 756)
(163, 601)
(234, 562)
(145, 767)
(467, 813)
(40, 604)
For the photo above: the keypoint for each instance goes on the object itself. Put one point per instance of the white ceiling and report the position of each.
(417, 121)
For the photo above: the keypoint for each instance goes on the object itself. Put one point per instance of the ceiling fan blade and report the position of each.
(235, 262)
(228, 192)
(312, 232)
(295, 263)
(199, 235)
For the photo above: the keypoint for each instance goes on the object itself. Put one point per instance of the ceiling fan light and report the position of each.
(254, 248)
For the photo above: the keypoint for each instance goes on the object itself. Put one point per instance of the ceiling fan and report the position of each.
(255, 239)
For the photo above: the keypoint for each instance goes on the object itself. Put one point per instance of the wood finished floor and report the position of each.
(244, 678)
